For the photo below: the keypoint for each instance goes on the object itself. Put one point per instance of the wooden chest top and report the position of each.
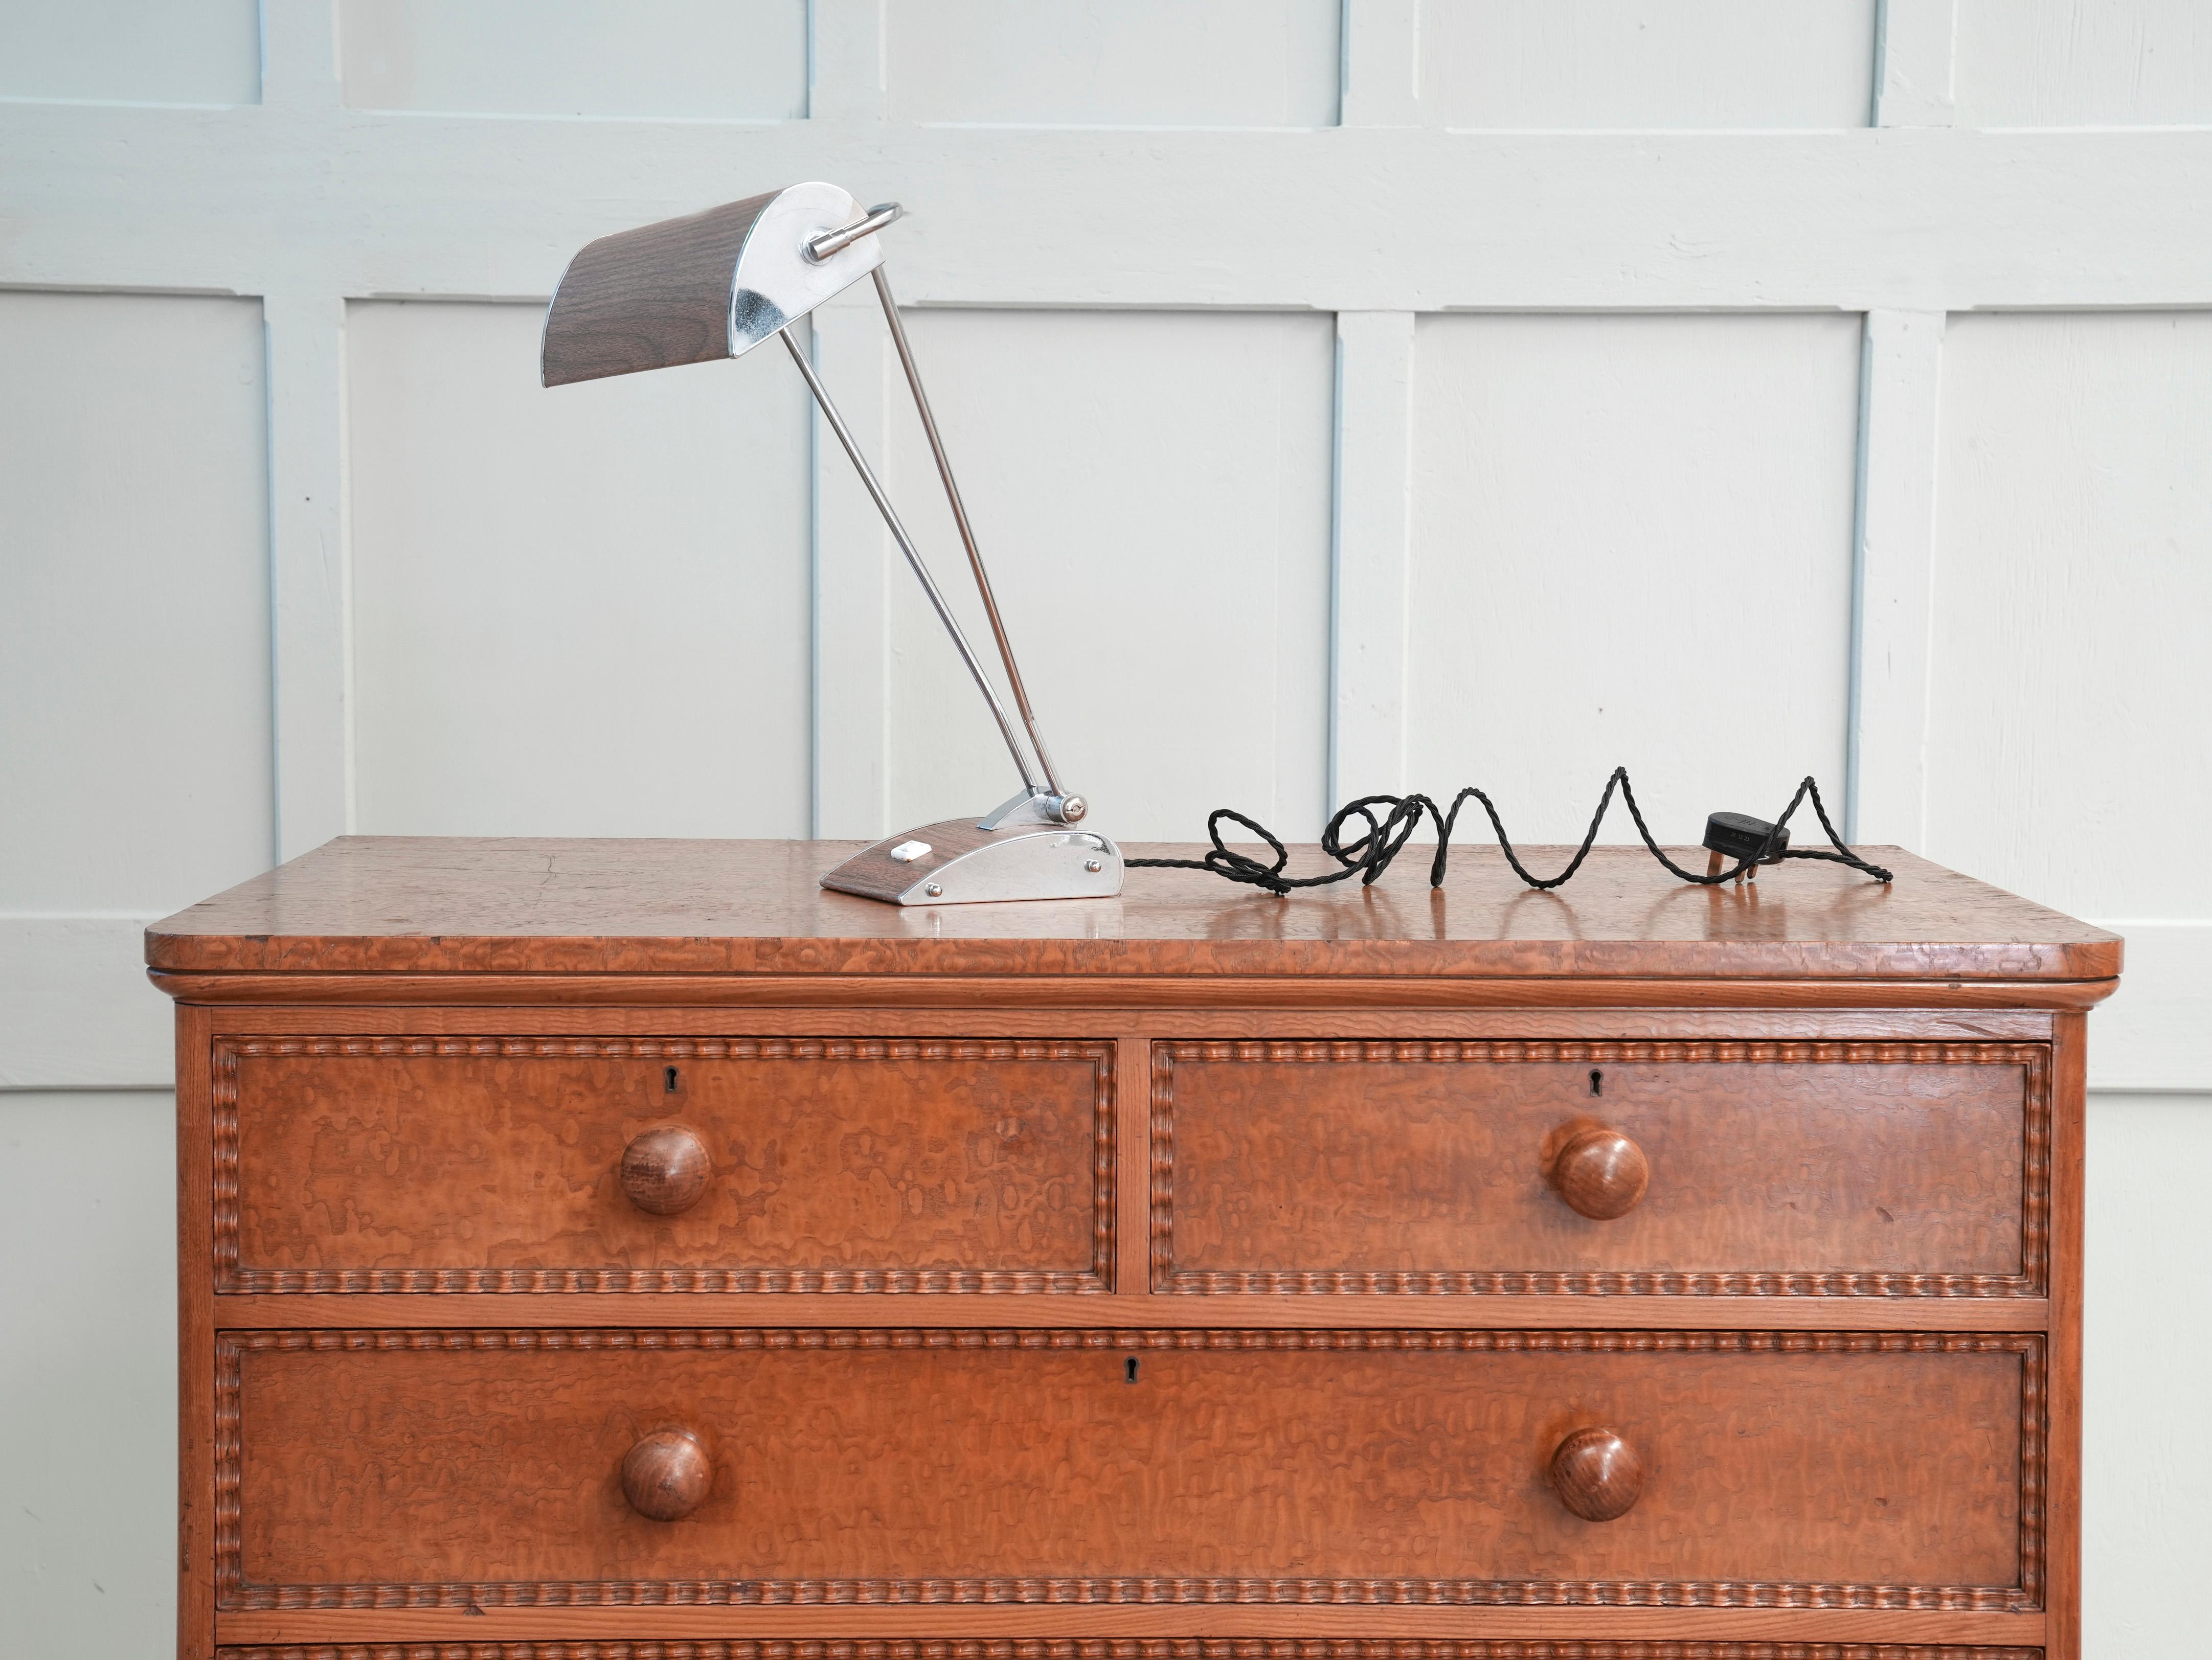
(449, 905)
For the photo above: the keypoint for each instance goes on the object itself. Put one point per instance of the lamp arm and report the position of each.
(913, 557)
(967, 533)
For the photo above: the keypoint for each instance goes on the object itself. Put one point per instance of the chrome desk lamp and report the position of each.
(718, 283)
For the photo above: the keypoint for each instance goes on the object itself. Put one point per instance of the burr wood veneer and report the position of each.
(630, 1249)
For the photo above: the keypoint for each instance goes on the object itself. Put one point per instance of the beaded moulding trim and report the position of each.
(234, 1592)
(232, 1277)
(1126, 1648)
(2035, 1172)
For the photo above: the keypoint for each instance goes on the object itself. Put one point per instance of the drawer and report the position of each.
(409, 1468)
(770, 1164)
(1556, 1169)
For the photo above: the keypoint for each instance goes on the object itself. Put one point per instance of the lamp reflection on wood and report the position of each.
(716, 284)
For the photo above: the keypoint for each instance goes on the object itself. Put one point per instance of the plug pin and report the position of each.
(1739, 836)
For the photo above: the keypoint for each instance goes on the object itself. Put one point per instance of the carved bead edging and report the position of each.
(234, 1593)
(1126, 1648)
(1153, 1591)
(232, 1279)
(2034, 1280)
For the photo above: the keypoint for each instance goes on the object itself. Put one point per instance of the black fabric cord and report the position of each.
(1370, 854)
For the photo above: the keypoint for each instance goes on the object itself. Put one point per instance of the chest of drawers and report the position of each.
(628, 1249)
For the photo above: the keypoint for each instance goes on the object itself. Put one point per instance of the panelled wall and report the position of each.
(1351, 397)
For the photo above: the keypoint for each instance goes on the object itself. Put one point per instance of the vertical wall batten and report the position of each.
(1372, 554)
(1894, 573)
(310, 578)
(311, 629)
(1370, 529)
(1379, 77)
(1892, 541)
(1913, 63)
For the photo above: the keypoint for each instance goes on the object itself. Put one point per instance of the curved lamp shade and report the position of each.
(715, 285)
(706, 286)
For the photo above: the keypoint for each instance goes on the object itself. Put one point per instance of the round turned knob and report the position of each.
(665, 1170)
(667, 1475)
(1601, 1173)
(1597, 1474)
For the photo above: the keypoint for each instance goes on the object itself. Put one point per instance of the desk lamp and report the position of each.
(718, 283)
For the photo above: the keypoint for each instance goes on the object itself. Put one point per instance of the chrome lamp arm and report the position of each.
(717, 283)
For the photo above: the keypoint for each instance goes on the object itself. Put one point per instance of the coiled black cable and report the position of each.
(1370, 854)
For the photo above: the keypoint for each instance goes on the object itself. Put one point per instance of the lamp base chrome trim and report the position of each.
(964, 864)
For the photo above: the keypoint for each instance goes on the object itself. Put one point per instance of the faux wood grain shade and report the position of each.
(709, 285)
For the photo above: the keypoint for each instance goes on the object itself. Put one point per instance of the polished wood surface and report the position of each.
(1312, 1165)
(1566, 1020)
(496, 1164)
(1599, 1172)
(196, 1521)
(1404, 1469)
(1138, 1308)
(1150, 1631)
(1227, 1000)
(375, 905)
(1597, 1474)
(663, 1172)
(667, 1474)
(1426, 1168)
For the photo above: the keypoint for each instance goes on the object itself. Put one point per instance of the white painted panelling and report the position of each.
(178, 51)
(1902, 369)
(2069, 702)
(733, 59)
(1617, 64)
(1382, 63)
(1151, 492)
(1116, 63)
(76, 1011)
(2151, 1034)
(1359, 220)
(310, 573)
(523, 560)
(1373, 549)
(1914, 63)
(2144, 1363)
(846, 49)
(1631, 546)
(853, 556)
(2084, 63)
(581, 611)
(134, 611)
(135, 729)
(87, 1376)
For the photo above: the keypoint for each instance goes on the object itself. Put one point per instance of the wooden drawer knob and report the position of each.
(1601, 1173)
(1597, 1474)
(665, 1476)
(665, 1170)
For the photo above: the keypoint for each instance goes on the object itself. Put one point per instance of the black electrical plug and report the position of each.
(1738, 835)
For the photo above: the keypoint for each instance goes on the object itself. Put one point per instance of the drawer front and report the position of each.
(771, 1165)
(410, 1469)
(1556, 1169)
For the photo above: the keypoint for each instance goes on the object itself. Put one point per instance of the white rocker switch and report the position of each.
(907, 852)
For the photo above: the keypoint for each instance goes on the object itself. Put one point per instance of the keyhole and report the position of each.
(668, 1080)
(1129, 1370)
(1597, 1081)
